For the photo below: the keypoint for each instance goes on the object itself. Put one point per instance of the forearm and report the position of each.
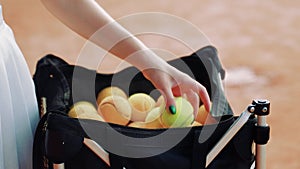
(90, 20)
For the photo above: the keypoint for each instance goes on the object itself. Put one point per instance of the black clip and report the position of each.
(260, 107)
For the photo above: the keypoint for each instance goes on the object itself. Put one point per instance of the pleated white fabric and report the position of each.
(18, 105)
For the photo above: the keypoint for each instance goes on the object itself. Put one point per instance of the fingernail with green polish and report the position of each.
(172, 109)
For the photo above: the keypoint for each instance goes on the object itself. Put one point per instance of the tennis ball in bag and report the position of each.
(160, 100)
(184, 116)
(153, 118)
(110, 91)
(145, 125)
(84, 110)
(141, 104)
(195, 123)
(137, 124)
(115, 109)
(154, 114)
(204, 117)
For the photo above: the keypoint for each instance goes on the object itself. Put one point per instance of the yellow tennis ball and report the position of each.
(204, 117)
(141, 104)
(195, 123)
(110, 91)
(84, 110)
(115, 109)
(146, 125)
(160, 101)
(153, 118)
(137, 124)
(184, 116)
(154, 114)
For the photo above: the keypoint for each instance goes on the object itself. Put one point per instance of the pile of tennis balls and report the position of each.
(139, 110)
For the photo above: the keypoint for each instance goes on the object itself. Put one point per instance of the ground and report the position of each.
(257, 43)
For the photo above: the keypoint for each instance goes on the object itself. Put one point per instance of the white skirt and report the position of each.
(18, 105)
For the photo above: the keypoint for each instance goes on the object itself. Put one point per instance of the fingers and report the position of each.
(196, 93)
(204, 97)
(193, 98)
(178, 84)
(169, 99)
(192, 92)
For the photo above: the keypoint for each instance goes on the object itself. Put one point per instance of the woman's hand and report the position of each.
(172, 82)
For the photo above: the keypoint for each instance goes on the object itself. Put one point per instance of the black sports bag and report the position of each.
(59, 138)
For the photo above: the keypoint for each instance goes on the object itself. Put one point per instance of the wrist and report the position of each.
(146, 59)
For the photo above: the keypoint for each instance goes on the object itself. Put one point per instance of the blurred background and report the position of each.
(257, 43)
